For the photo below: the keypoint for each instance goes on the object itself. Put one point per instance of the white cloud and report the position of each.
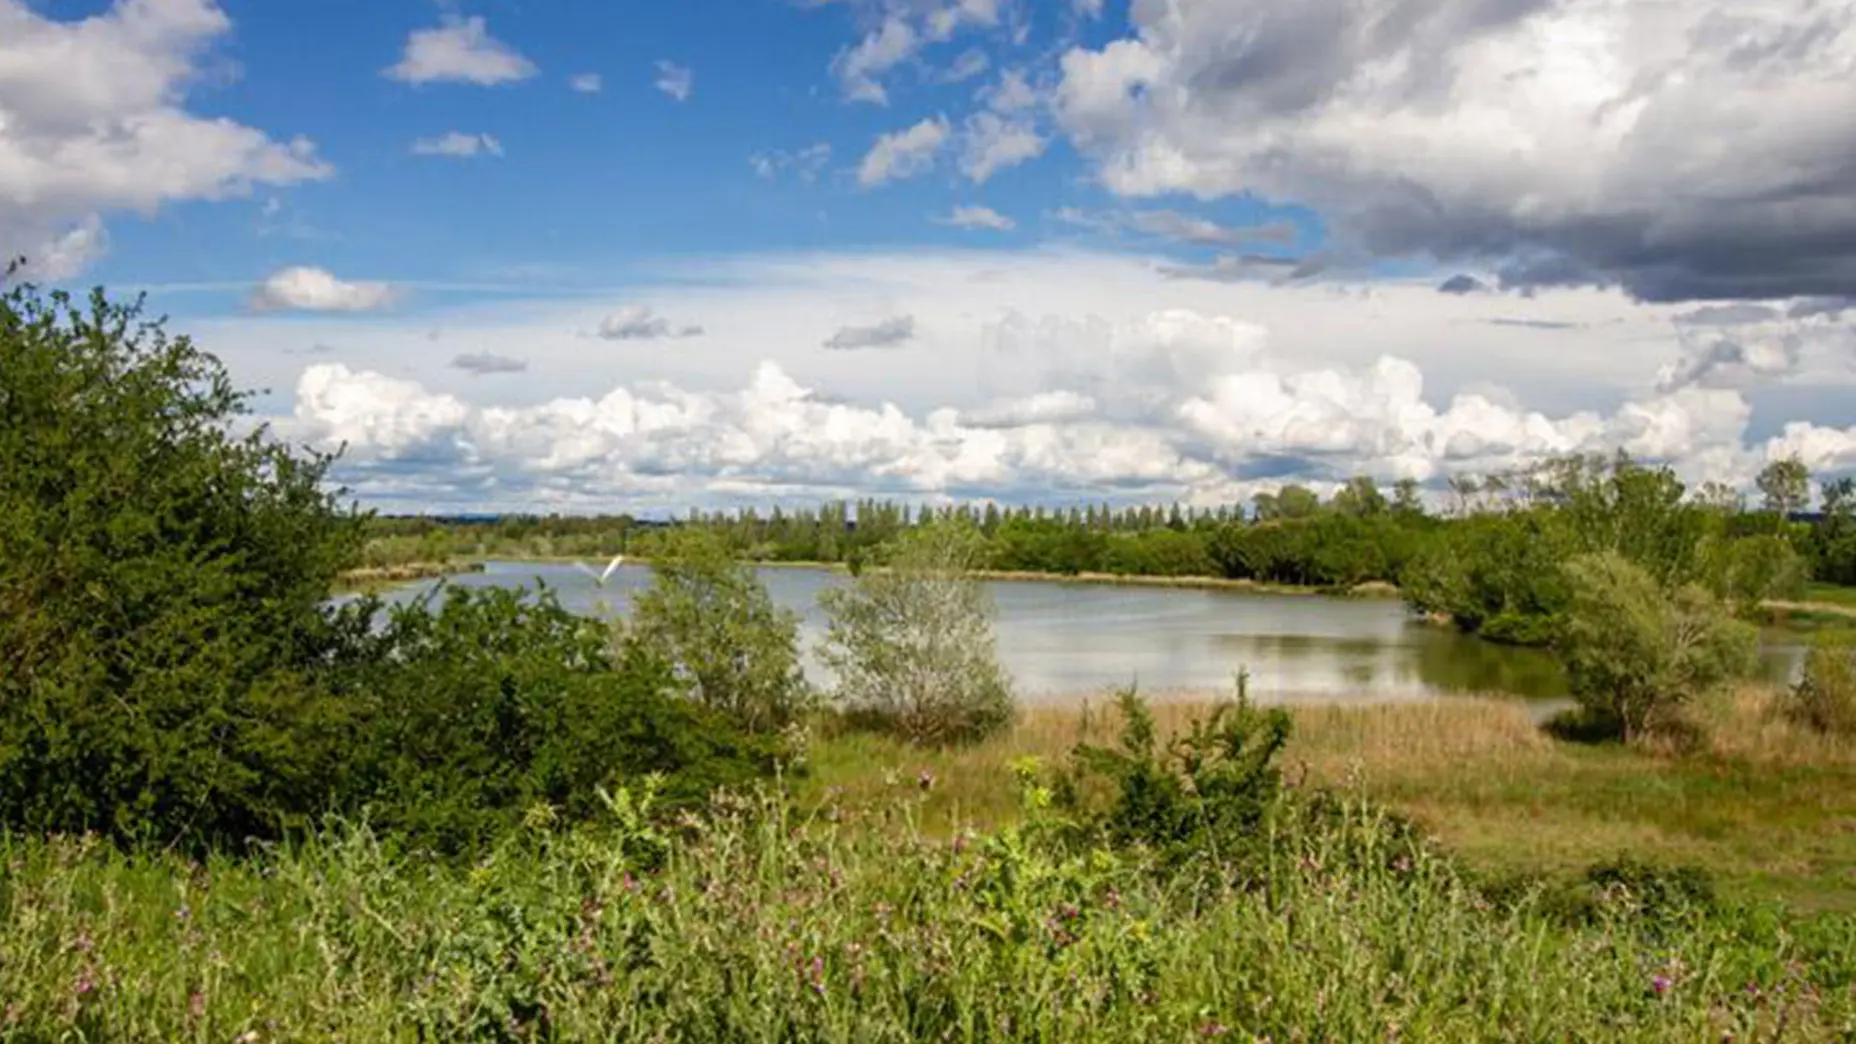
(587, 83)
(1013, 93)
(1183, 404)
(1034, 374)
(458, 145)
(807, 163)
(978, 217)
(675, 80)
(858, 68)
(905, 153)
(638, 323)
(93, 120)
(972, 62)
(1689, 150)
(991, 143)
(306, 289)
(1087, 8)
(461, 50)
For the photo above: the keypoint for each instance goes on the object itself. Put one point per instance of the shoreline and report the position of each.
(1369, 589)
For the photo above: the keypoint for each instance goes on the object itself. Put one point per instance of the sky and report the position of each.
(539, 255)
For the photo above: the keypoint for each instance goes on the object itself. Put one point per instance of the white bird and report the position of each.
(601, 578)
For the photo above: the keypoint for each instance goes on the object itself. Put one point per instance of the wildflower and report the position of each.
(196, 1005)
(1402, 864)
(84, 984)
(1214, 1028)
(1660, 984)
(925, 779)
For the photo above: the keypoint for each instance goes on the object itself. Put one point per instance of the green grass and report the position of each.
(855, 926)
(1832, 594)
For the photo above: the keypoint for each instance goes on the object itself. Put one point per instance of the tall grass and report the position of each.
(851, 925)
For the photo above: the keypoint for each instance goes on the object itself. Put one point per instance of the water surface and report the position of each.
(1065, 641)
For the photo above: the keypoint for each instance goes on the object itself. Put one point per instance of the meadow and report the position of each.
(870, 908)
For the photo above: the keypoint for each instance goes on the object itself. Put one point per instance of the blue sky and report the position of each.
(599, 254)
(596, 181)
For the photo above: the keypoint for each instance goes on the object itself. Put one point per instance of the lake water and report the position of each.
(1066, 641)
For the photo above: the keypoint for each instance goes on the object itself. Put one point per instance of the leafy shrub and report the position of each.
(912, 642)
(1635, 654)
(500, 702)
(1204, 794)
(709, 616)
(1825, 698)
(162, 587)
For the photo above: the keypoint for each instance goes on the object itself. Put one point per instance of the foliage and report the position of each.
(1636, 653)
(1785, 485)
(1825, 697)
(162, 580)
(762, 927)
(1203, 794)
(912, 643)
(708, 615)
(500, 704)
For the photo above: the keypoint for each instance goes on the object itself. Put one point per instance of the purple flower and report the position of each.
(1660, 984)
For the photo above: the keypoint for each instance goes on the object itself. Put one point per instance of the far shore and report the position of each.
(1371, 589)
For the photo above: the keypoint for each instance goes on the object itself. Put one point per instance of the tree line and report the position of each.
(1482, 558)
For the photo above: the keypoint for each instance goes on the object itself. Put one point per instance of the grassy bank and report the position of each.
(369, 578)
(852, 926)
(1767, 807)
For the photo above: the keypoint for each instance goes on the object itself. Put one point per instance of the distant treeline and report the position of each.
(1487, 557)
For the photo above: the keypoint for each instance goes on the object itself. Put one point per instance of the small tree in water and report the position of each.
(1636, 653)
(912, 643)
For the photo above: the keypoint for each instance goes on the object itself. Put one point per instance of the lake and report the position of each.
(1066, 641)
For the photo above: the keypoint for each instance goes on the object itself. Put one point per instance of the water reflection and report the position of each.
(1061, 640)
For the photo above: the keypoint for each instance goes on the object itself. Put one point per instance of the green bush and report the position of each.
(1825, 697)
(501, 703)
(1636, 654)
(162, 588)
(912, 642)
(1203, 794)
(709, 616)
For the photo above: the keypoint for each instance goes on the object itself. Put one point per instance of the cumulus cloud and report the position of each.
(1179, 404)
(1684, 151)
(482, 364)
(458, 145)
(94, 121)
(307, 289)
(889, 333)
(638, 323)
(675, 80)
(991, 143)
(905, 153)
(1739, 345)
(978, 217)
(587, 83)
(972, 62)
(460, 50)
(1013, 93)
(806, 163)
(859, 68)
